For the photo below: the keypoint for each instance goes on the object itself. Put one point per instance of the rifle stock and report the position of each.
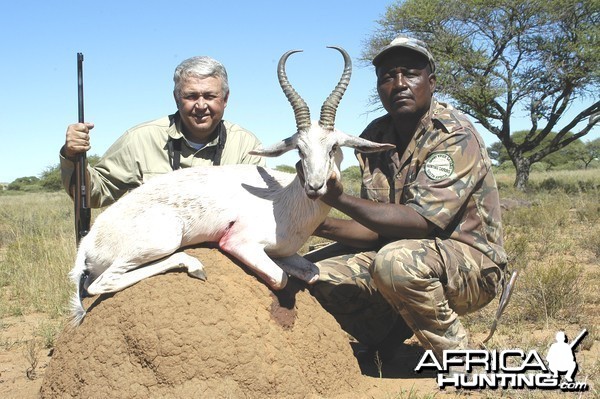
(81, 195)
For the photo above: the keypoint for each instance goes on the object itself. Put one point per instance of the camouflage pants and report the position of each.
(428, 283)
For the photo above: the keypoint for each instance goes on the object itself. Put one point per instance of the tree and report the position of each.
(563, 158)
(351, 173)
(590, 152)
(498, 58)
(50, 178)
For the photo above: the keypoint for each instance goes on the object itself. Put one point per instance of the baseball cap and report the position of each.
(409, 43)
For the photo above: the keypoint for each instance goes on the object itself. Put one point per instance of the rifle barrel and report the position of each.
(80, 87)
(82, 210)
(578, 339)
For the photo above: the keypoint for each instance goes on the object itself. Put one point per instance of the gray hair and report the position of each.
(200, 67)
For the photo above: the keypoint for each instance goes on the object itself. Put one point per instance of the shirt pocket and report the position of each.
(377, 194)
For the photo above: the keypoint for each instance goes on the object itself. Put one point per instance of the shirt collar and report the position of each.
(426, 121)
(175, 131)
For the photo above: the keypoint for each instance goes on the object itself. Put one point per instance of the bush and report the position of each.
(552, 184)
(50, 179)
(286, 168)
(29, 183)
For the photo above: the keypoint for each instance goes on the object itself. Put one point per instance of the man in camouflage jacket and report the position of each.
(424, 243)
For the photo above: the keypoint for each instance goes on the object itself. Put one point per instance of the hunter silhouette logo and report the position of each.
(510, 368)
(561, 356)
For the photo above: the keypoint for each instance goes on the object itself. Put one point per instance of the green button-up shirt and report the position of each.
(142, 152)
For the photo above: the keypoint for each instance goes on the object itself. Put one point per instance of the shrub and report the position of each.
(29, 183)
(551, 291)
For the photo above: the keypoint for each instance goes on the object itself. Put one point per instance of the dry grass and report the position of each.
(36, 237)
(37, 250)
(552, 237)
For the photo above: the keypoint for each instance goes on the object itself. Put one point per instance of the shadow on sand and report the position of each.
(402, 365)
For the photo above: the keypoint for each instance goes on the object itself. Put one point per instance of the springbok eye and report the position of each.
(333, 150)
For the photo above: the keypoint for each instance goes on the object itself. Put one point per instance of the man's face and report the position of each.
(201, 104)
(405, 84)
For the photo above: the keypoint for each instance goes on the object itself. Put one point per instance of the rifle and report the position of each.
(504, 299)
(81, 199)
(577, 340)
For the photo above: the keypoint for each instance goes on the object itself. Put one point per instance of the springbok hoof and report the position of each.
(198, 273)
(313, 279)
(280, 285)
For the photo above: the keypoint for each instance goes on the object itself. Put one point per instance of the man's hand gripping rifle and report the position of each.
(81, 194)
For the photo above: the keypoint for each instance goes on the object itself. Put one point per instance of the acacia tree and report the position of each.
(500, 58)
(565, 157)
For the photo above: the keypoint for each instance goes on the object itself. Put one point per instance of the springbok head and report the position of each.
(318, 143)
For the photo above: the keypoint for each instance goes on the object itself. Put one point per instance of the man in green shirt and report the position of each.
(195, 135)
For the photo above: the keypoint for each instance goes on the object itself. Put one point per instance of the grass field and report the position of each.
(552, 236)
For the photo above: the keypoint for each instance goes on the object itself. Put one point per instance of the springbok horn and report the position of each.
(329, 108)
(301, 111)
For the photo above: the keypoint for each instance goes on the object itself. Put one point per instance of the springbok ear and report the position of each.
(277, 149)
(363, 145)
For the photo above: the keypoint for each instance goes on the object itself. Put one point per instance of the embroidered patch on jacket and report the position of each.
(439, 166)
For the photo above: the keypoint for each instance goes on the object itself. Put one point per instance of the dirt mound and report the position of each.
(175, 336)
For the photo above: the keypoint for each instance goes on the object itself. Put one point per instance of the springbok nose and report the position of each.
(315, 186)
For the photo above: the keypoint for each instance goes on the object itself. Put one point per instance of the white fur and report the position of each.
(252, 213)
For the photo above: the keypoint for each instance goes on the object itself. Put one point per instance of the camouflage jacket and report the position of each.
(444, 174)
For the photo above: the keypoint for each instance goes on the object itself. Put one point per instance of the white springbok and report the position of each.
(260, 216)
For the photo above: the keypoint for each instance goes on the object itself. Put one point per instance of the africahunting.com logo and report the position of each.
(510, 368)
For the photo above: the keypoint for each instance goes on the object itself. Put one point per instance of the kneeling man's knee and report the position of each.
(402, 265)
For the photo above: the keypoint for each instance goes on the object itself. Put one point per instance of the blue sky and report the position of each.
(132, 47)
